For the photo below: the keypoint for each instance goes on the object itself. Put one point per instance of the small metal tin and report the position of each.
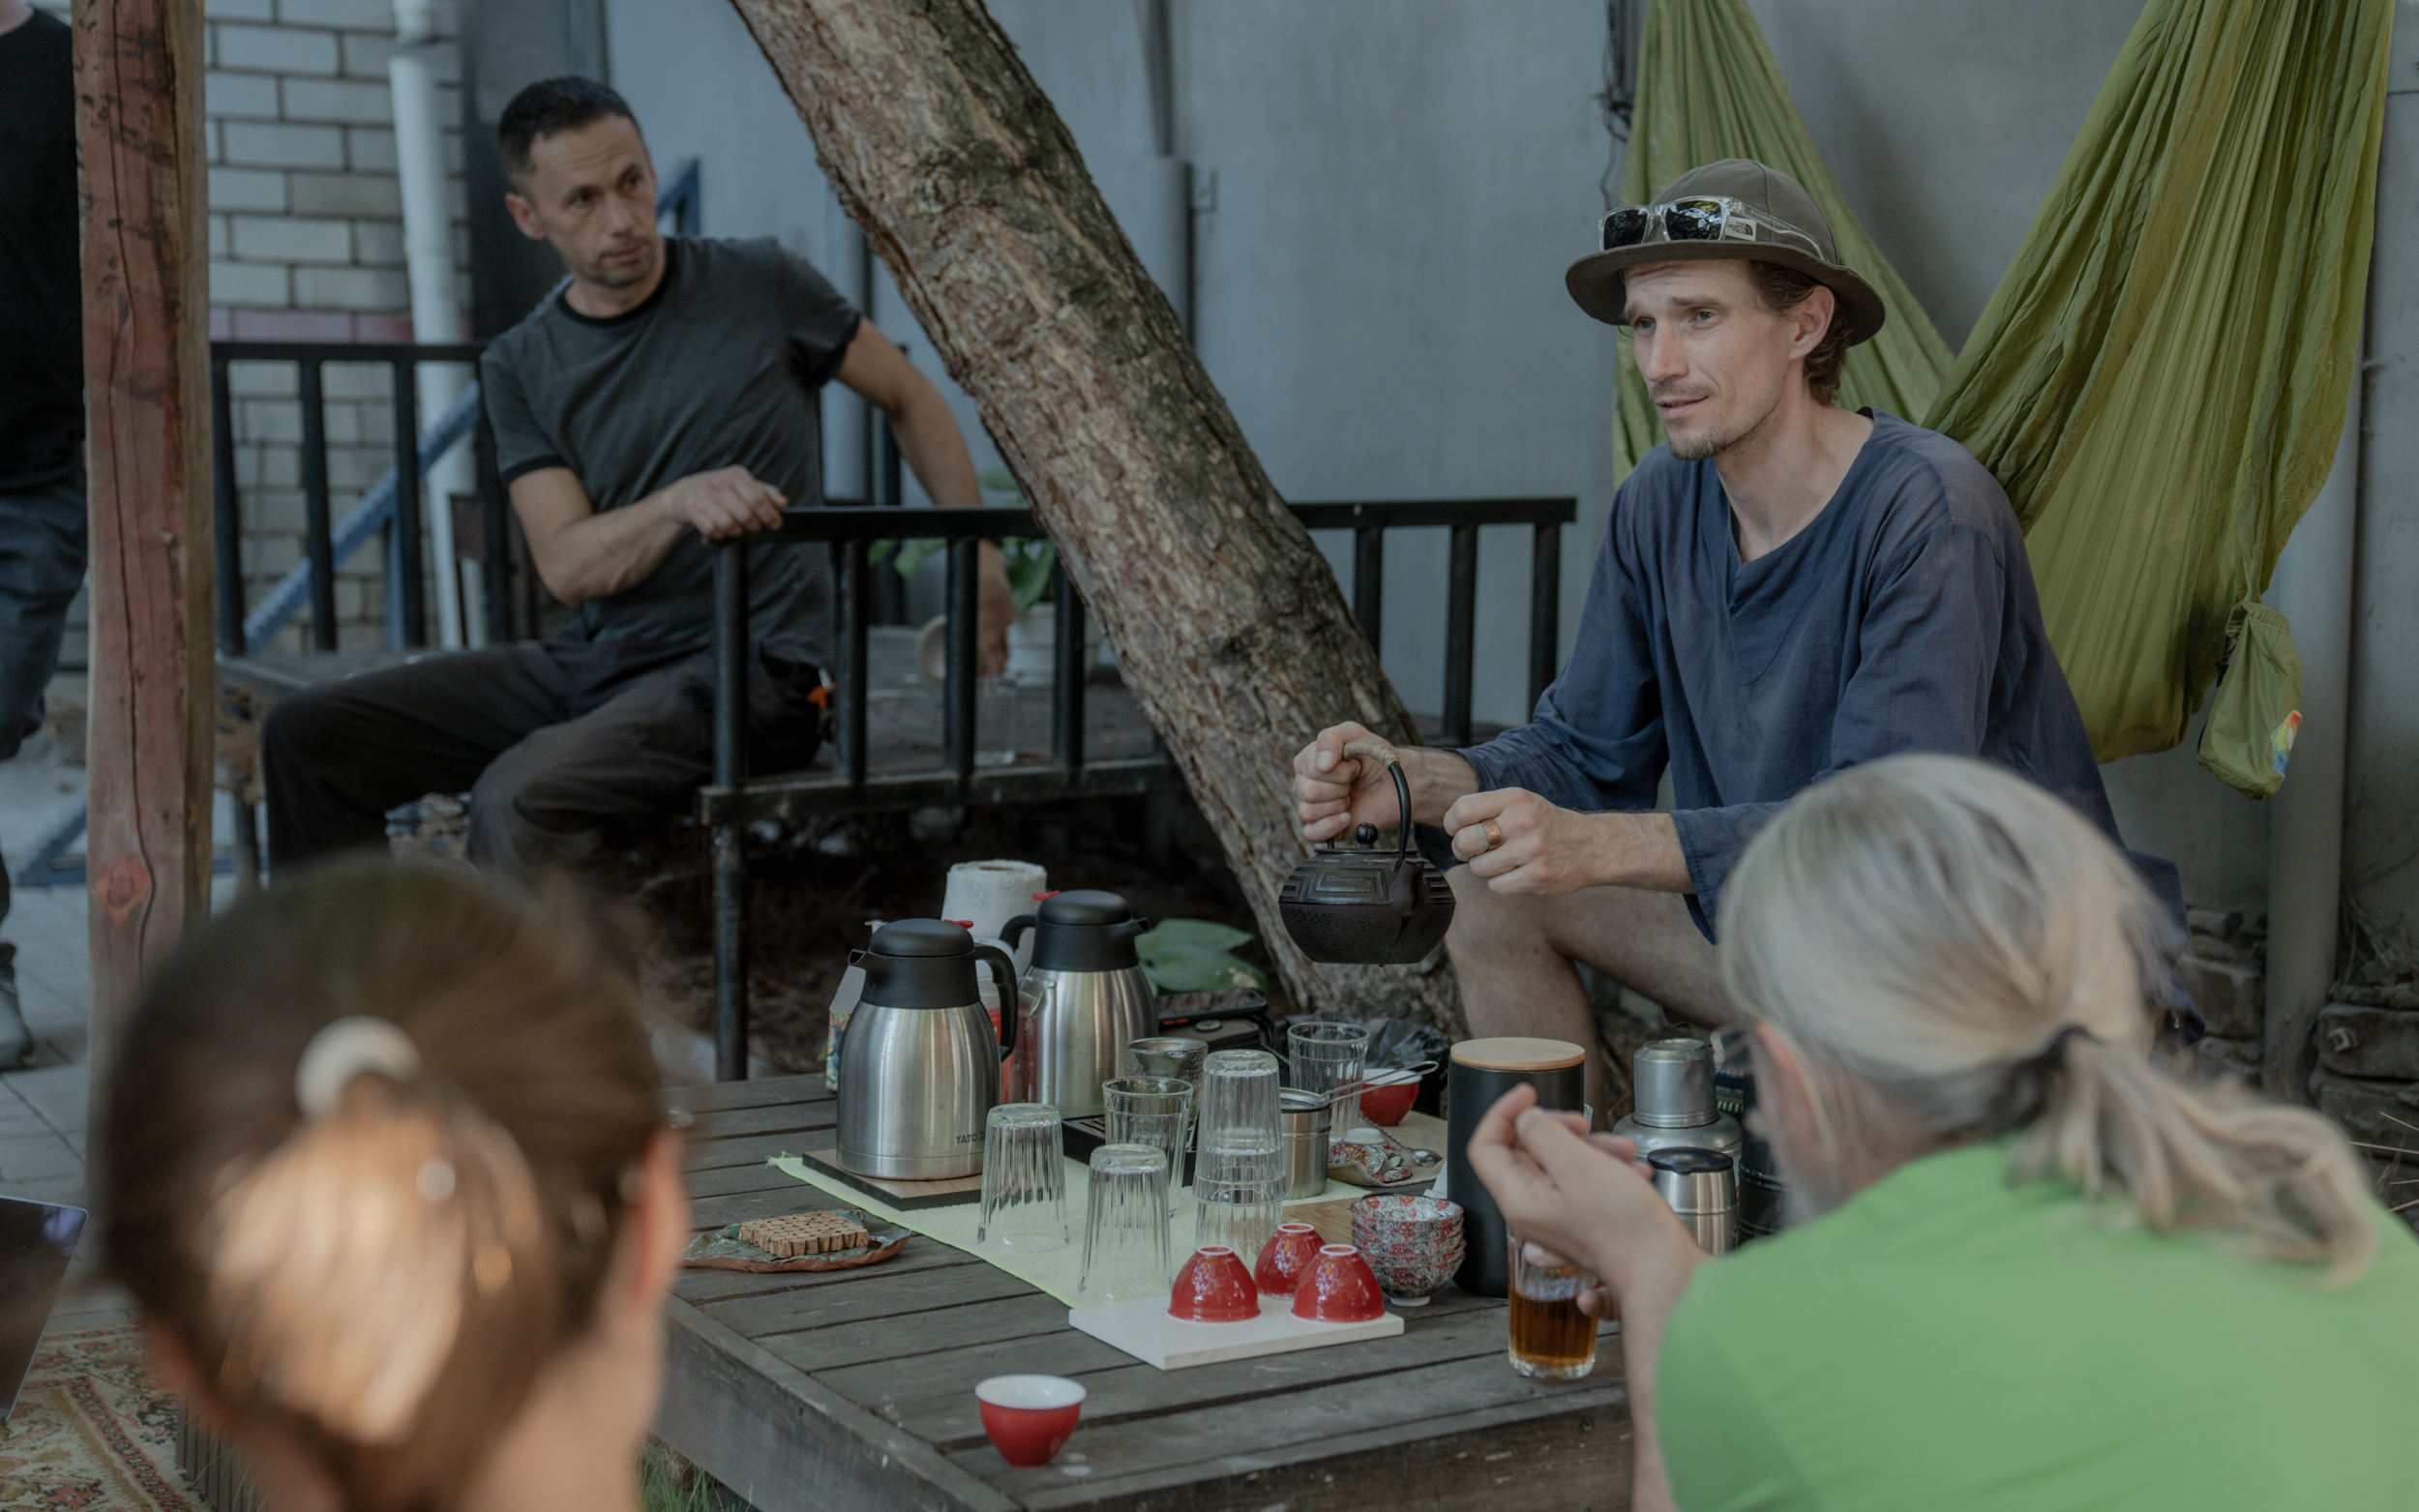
(1302, 1118)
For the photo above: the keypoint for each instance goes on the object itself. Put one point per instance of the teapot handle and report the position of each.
(1014, 928)
(1377, 749)
(1002, 971)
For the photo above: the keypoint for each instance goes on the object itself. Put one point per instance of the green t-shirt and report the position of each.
(1946, 1341)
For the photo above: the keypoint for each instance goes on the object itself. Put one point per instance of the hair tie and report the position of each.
(2053, 1054)
(344, 1048)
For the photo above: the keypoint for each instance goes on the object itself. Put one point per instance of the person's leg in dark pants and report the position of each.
(42, 565)
(334, 759)
(550, 801)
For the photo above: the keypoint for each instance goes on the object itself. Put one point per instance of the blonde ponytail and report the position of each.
(1958, 953)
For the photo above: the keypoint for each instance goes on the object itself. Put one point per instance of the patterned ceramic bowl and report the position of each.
(1410, 1280)
(1407, 1220)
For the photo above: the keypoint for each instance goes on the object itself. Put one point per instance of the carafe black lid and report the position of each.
(1084, 905)
(923, 938)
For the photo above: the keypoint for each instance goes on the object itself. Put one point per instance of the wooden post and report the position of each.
(147, 403)
(1228, 623)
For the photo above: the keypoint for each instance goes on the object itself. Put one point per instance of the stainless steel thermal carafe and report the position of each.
(919, 1063)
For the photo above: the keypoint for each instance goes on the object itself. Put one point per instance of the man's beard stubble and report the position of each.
(1715, 443)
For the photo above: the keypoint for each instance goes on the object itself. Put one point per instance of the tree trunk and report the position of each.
(1229, 626)
(147, 413)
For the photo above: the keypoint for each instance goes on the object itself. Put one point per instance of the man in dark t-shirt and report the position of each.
(1784, 589)
(41, 398)
(667, 395)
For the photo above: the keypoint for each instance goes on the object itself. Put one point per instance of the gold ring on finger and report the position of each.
(1494, 835)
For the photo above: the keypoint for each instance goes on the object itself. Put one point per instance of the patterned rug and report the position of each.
(93, 1430)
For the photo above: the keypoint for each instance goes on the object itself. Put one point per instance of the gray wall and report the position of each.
(1378, 292)
(2382, 828)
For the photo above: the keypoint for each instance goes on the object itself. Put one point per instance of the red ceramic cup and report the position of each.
(1029, 1417)
(1338, 1287)
(1213, 1287)
(1385, 1106)
(1283, 1259)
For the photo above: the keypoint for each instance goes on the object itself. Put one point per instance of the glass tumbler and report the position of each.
(1239, 1144)
(1551, 1339)
(1023, 1180)
(1153, 1110)
(1126, 1226)
(1242, 1215)
(994, 721)
(1168, 1056)
(1328, 1054)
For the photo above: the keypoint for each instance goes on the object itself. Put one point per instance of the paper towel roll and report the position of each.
(986, 895)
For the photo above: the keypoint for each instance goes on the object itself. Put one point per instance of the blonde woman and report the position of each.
(2029, 1269)
(383, 1167)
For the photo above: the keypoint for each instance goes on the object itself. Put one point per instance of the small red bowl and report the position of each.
(1214, 1287)
(1385, 1106)
(1338, 1287)
(1029, 1417)
(1284, 1257)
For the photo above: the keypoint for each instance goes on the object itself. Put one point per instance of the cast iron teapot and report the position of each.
(1364, 905)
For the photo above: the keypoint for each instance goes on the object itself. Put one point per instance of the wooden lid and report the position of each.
(1514, 1053)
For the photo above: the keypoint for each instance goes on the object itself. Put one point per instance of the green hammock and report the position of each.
(1709, 89)
(2159, 380)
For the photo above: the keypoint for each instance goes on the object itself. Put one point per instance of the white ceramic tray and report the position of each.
(1143, 1329)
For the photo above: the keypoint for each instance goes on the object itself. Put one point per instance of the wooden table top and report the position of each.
(854, 1388)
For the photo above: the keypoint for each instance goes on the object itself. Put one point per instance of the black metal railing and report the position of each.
(391, 505)
(733, 801)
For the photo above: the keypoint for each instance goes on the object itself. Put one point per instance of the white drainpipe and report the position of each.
(435, 293)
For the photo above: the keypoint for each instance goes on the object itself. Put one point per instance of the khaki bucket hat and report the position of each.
(1764, 216)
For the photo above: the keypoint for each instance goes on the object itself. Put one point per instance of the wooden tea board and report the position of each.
(904, 1195)
(1144, 1329)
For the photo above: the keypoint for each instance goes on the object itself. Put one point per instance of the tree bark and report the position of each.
(1229, 625)
(147, 412)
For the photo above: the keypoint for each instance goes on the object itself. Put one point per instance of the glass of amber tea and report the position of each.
(1551, 1339)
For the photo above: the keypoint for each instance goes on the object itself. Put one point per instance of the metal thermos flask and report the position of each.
(920, 1064)
(1480, 1072)
(1702, 1187)
(1085, 997)
(1675, 1101)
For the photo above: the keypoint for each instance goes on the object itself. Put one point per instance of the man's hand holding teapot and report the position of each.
(1513, 839)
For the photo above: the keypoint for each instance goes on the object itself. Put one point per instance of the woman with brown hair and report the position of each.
(2027, 1267)
(383, 1165)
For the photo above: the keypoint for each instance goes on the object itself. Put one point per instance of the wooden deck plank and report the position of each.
(757, 1148)
(699, 1097)
(1579, 1457)
(1125, 1390)
(886, 1290)
(1032, 1316)
(785, 1444)
(760, 1177)
(1241, 1436)
(740, 1123)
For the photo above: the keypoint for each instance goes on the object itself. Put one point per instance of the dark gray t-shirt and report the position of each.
(721, 367)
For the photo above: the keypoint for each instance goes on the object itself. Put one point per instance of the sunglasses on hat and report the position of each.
(1704, 218)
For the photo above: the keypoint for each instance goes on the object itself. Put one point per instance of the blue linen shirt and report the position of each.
(1902, 618)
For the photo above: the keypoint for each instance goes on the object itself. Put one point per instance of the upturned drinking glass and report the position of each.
(1328, 1055)
(1242, 1215)
(1166, 1057)
(1023, 1180)
(1126, 1226)
(1153, 1110)
(1239, 1144)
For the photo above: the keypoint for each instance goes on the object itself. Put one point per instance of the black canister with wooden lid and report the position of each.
(1482, 1071)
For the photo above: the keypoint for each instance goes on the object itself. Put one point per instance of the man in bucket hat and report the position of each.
(1785, 589)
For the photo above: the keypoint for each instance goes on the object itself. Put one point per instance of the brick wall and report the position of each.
(306, 244)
